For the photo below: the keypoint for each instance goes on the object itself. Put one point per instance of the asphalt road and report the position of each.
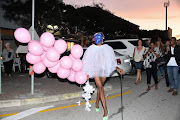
(137, 105)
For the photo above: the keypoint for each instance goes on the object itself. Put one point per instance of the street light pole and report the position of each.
(166, 4)
(32, 37)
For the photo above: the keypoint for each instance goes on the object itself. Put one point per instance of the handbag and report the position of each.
(160, 61)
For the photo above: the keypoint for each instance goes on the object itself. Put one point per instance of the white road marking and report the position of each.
(26, 113)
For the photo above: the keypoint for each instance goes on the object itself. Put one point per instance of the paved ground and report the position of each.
(19, 87)
(138, 105)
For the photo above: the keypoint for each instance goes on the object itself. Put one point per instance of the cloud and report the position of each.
(178, 36)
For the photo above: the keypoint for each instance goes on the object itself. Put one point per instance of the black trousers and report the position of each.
(152, 72)
(8, 66)
(166, 75)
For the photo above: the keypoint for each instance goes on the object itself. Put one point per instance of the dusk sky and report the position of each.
(148, 14)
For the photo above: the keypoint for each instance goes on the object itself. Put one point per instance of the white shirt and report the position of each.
(172, 61)
(138, 55)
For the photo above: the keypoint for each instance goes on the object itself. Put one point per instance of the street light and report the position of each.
(166, 4)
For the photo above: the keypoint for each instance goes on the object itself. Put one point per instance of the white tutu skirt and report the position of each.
(99, 61)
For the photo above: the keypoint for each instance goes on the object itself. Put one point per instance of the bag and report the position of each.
(160, 61)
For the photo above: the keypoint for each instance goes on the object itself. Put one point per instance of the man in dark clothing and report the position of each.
(173, 64)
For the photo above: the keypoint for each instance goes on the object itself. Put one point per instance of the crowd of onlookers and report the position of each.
(159, 57)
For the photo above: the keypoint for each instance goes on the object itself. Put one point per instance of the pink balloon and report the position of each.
(77, 65)
(72, 57)
(55, 68)
(32, 59)
(71, 76)
(61, 46)
(47, 39)
(45, 48)
(77, 51)
(35, 48)
(63, 73)
(39, 68)
(66, 62)
(22, 35)
(48, 63)
(52, 55)
(80, 77)
(43, 55)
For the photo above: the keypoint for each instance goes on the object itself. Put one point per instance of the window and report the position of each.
(145, 43)
(135, 43)
(116, 45)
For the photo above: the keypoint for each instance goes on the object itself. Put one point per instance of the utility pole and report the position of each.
(166, 5)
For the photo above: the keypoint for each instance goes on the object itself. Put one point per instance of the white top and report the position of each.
(172, 61)
(138, 55)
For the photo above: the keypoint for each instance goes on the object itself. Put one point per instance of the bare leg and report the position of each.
(137, 77)
(140, 78)
(101, 94)
(98, 93)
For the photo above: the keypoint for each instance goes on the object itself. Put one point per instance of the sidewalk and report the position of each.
(16, 91)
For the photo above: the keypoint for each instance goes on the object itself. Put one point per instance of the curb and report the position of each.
(39, 100)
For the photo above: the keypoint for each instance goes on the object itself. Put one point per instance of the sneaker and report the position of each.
(175, 93)
(170, 90)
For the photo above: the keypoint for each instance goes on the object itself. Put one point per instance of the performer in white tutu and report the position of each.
(99, 63)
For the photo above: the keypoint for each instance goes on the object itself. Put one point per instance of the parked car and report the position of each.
(126, 47)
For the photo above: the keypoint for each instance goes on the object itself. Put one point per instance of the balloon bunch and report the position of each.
(47, 52)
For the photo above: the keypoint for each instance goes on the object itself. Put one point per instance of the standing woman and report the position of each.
(138, 60)
(99, 62)
(8, 59)
(160, 48)
(151, 67)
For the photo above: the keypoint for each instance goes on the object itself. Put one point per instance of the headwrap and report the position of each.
(98, 37)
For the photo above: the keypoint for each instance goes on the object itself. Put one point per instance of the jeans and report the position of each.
(152, 72)
(160, 69)
(173, 74)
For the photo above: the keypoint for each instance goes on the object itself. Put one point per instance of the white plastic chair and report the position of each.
(17, 63)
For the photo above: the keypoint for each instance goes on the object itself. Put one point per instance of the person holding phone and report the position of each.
(151, 67)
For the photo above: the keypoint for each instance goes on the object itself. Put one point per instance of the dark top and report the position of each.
(176, 54)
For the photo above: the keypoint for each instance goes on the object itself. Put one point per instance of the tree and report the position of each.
(87, 19)
(47, 12)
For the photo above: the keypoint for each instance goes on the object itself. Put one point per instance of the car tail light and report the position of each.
(118, 61)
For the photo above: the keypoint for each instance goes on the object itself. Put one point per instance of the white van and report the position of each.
(126, 46)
